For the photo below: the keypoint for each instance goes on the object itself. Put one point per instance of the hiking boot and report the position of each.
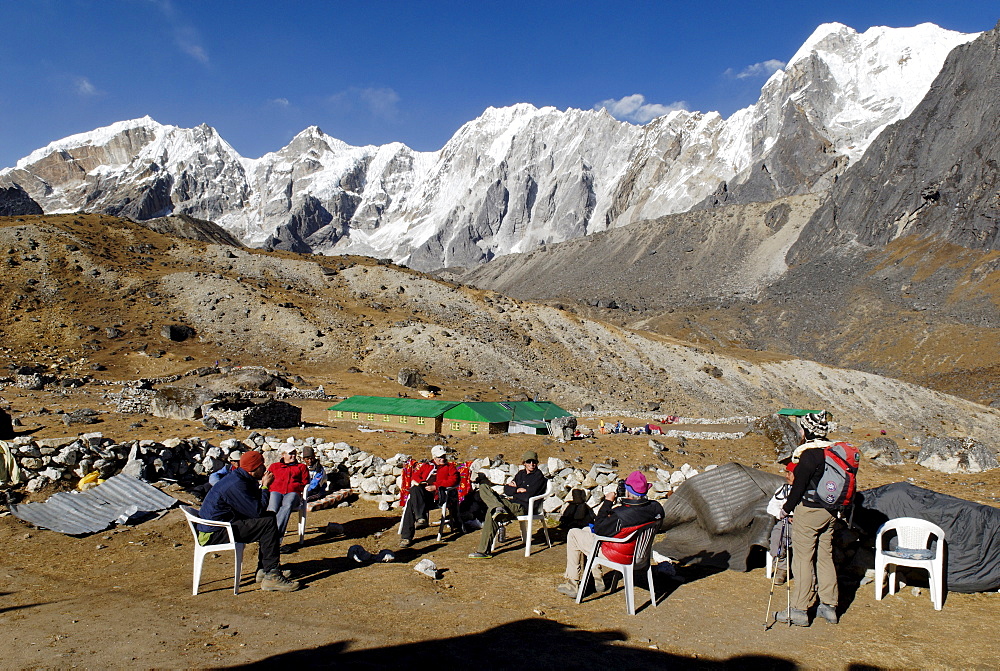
(287, 549)
(780, 576)
(480, 555)
(405, 542)
(261, 574)
(797, 617)
(828, 613)
(570, 588)
(421, 524)
(275, 582)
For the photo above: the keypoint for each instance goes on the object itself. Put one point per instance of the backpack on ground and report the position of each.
(837, 485)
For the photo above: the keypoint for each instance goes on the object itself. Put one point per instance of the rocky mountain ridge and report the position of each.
(513, 179)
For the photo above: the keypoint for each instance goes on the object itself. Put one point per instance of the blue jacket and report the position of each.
(214, 478)
(238, 496)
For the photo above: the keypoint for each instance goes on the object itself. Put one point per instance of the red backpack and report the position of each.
(838, 483)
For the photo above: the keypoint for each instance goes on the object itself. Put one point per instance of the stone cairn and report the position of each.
(189, 461)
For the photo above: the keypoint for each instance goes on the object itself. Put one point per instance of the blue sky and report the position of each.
(376, 72)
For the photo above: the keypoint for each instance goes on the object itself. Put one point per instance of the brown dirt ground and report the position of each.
(66, 603)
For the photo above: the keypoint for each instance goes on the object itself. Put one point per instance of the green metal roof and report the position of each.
(505, 411)
(797, 412)
(479, 411)
(383, 405)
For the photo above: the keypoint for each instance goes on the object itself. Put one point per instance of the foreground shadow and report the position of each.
(532, 643)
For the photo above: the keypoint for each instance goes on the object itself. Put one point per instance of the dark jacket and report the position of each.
(238, 496)
(534, 483)
(812, 463)
(628, 513)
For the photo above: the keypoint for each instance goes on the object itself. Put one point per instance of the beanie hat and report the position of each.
(815, 424)
(438, 451)
(790, 466)
(308, 451)
(636, 483)
(251, 461)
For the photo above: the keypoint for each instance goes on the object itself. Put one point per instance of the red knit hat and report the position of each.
(251, 461)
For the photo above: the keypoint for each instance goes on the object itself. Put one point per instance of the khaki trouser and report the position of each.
(812, 558)
(579, 544)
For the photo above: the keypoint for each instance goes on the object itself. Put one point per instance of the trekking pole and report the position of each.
(788, 573)
(767, 613)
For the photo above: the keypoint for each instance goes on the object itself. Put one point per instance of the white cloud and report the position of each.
(762, 69)
(189, 42)
(85, 88)
(280, 102)
(635, 108)
(186, 37)
(379, 102)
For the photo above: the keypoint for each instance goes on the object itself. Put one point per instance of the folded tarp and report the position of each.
(122, 497)
(717, 516)
(972, 530)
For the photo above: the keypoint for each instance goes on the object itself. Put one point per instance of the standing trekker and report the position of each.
(528, 482)
(239, 500)
(425, 488)
(813, 569)
(290, 480)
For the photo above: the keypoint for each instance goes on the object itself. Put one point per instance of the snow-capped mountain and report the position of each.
(512, 179)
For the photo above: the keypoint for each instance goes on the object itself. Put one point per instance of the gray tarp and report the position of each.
(715, 517)
(94, 510)
(972, 530)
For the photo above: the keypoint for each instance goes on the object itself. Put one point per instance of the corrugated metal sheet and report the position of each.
(94, 510)
(381, 405)
(504, 411)
(479, 411)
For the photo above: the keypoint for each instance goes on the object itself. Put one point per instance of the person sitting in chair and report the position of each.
(318, 482)
(238, 499)
(288, 486)
(426, 487)
(634, 510)
(527, 483)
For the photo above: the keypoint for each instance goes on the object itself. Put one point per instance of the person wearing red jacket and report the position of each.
(290, 480)
(425, 487)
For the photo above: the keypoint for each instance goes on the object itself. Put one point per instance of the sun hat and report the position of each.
(438, 451)
(530, 455)
(636, 483)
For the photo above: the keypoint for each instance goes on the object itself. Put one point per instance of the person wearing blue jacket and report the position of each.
(234, 463)
(241, 499)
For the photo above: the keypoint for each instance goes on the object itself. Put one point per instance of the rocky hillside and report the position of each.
(82, 293)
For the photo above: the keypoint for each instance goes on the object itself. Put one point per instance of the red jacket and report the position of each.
(289, 478)
(446, 476)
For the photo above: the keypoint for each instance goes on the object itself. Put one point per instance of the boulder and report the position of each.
(410, 377)
(781, 431)
(883, 450)
(179, 402)
(563, 428)
(176, 332)
(956, 455)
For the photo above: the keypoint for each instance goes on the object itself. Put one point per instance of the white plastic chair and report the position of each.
(191, 514)
(913, 549)
(535, 512)
(442, 506)
(640, 559)
(303, 513)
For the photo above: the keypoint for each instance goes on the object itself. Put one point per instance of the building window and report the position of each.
(456, 426)
(371, 416)
(340, 414)
(354, 415)
(385, 418)
(421, 421)
(473, 427)
(403, 420)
